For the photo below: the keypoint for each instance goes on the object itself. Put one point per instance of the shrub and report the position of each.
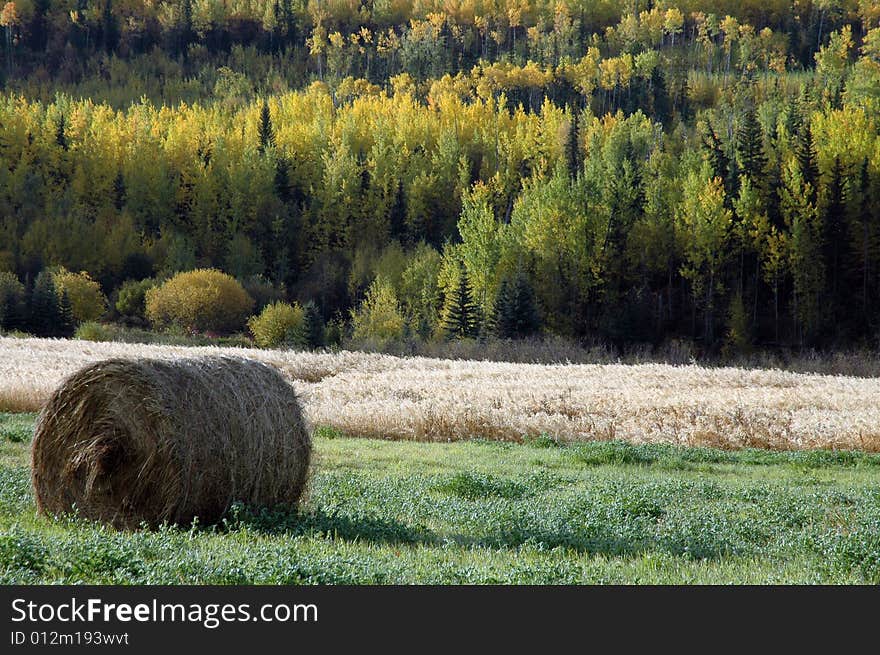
(379, 315)
(277, 324)
(132, 297)
(199, 301)
(87, 301)
(92, 331)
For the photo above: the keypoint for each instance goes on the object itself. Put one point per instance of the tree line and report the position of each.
(590, 195)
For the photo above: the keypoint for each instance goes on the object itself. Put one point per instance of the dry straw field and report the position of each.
(438, 400)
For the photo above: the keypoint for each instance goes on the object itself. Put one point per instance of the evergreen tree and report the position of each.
(109, 27)
(266, 133)
(750, 147)
(516, 310)
(313, 326)
(459, 317)
(45, 311)
(186, 25)
(66, 321)
(719, 161)
(866, 220)
(119, 191)
(11, 299)
(397, 216)
(834, 228)
(573, 146)
(805, 153)
(60, 136)
(9, 312)
(282, 179)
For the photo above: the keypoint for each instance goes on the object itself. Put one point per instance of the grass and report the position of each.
(487, 512)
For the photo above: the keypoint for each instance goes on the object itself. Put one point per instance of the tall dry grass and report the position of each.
(435, 399)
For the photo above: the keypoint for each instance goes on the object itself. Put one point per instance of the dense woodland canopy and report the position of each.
(621, 172)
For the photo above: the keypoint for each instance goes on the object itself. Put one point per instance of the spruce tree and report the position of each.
(834, 227)
(516, 310)
(119, 191)
(460, 317)
(397, 216)
(805, 153)
(313, 325)
(60, 136)
(573, 146)
(282, 179)
(266, 133)
(750, 147)
(45, 309)
(719, 161)
(866, 216)
(11, 296)
(66, 321)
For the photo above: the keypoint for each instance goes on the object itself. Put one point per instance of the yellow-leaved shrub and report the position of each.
(204, 300)
(277, 324)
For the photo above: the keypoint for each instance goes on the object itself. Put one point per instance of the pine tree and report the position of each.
(266, 133)
(460, 318)
(313, 326)
(516, 310)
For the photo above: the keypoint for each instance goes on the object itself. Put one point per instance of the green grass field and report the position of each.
(478, 512)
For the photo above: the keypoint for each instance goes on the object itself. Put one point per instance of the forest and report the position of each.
(621, 173)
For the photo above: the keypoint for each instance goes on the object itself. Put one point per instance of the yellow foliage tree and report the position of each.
(379, 316)
(87, 301)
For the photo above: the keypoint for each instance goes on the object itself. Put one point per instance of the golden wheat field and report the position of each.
(436, 400)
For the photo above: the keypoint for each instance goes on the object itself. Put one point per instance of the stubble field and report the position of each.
(380, 396)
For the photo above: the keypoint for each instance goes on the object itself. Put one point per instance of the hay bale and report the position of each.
(132, 441)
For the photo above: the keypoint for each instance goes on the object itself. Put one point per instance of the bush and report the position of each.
(133, 296)
(87, 301)
(277, 324)
(199, 301)
(92, 331)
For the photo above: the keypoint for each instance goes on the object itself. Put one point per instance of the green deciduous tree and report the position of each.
(704, 225)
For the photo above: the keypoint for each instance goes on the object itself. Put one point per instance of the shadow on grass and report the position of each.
(329, 524)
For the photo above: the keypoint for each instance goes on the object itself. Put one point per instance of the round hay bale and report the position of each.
(152, 441)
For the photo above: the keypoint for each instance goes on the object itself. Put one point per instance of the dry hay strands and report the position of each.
(153, 441)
